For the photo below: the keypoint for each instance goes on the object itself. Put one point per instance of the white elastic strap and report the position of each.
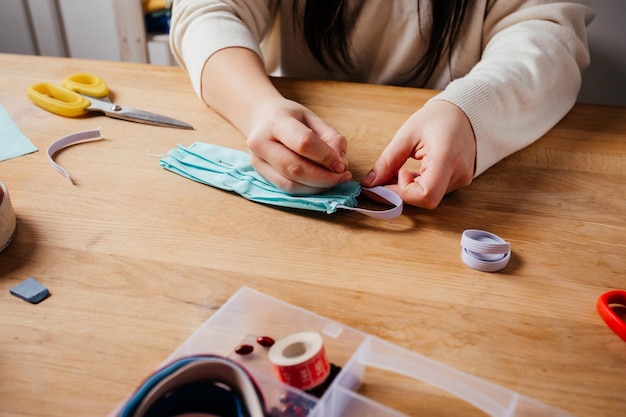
(484, 251)
(66, 141)
(386, 194)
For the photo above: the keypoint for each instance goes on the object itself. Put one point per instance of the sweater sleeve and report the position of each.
(199, 28)
(528, 77)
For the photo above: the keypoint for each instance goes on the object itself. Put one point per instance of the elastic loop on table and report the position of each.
(610, 317)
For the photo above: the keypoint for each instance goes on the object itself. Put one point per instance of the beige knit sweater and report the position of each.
(515, 72)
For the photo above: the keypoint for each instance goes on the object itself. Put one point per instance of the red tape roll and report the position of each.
(300, 360)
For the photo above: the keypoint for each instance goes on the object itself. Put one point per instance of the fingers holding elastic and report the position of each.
(305, 141)
(328, 135)
(293, 173)
(422, 190)
(393, 157)
(428, 187)
(288, 186)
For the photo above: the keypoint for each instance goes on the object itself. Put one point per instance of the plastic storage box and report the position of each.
(249, 314)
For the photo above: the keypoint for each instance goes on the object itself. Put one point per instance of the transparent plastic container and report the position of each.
(249, 314)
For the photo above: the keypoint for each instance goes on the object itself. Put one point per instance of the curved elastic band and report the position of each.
(484, 251)
(388, 195)
(608, 314)
(69, 140)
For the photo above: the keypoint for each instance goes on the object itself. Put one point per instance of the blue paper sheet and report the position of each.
(13, 143)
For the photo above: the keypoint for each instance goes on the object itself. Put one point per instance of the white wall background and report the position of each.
(15, 29)
(92, 29)
(72, 30)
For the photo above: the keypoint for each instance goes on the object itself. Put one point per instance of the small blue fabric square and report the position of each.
(30, 290)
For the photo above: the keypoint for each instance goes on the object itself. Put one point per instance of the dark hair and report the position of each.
(328, 24)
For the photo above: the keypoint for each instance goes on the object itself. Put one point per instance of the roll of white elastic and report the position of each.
(484, 251)
(8, 221)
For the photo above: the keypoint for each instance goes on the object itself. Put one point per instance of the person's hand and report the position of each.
(439, 135)
(290, 146)
(294, 149)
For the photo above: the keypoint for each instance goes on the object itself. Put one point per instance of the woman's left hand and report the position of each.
(439, 135)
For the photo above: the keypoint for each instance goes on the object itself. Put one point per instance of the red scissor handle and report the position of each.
(608, 314)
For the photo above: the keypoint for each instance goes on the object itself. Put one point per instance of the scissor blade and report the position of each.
(135, 115)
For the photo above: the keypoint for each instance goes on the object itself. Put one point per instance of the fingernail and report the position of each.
(370, 177)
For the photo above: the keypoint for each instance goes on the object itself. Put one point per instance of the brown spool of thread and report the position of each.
(8, 221)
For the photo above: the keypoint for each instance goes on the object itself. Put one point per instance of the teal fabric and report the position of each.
(231, 170)
(12, 142)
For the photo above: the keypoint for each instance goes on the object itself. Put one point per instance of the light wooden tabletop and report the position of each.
(136, 257)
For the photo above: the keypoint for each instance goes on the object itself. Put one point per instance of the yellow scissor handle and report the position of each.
(57, 99)
(86, 83)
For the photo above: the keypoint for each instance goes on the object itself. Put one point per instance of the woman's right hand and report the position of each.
(296, 150)
(290, 146)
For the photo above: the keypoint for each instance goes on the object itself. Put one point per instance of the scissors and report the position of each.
(607, 305)
(85, 92)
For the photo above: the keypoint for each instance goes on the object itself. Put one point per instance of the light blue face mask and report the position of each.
(231, 170)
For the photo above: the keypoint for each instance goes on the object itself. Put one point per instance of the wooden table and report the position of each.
(136, 257)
